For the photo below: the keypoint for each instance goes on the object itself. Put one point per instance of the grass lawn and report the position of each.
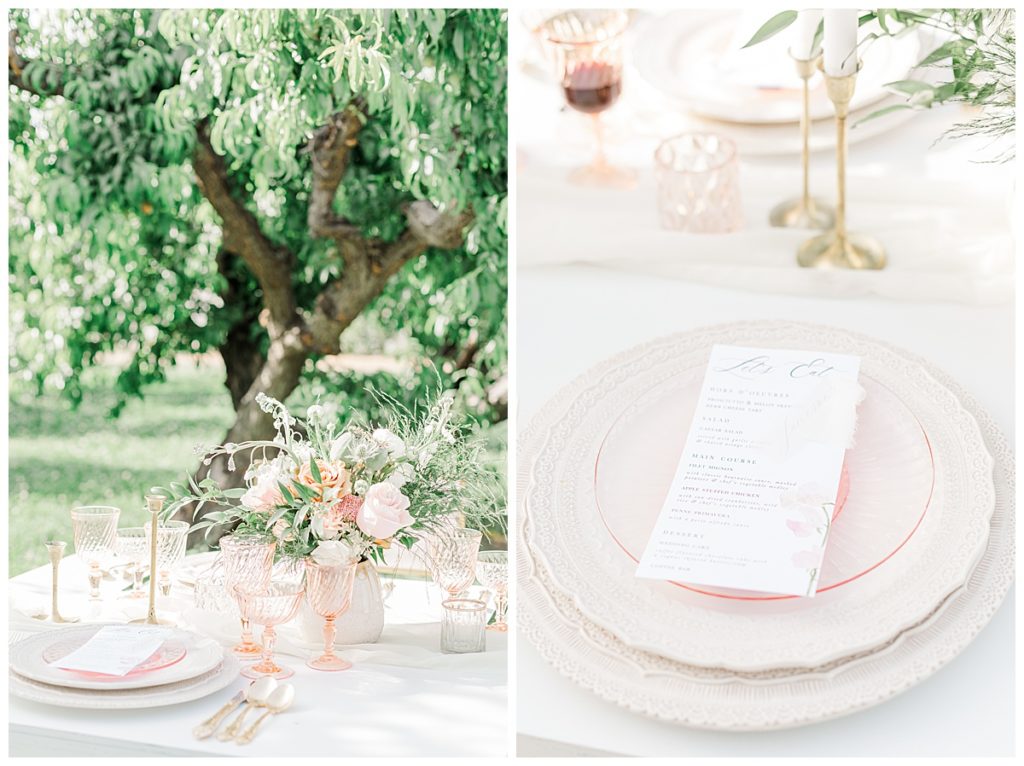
(62, 457)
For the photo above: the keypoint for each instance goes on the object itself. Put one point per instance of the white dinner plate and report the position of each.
(195, 688)
(696, 57)
(28, 660)
(569, 535)
(654, 686)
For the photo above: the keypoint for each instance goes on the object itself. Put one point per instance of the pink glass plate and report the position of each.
(891, 479)
(169, 653)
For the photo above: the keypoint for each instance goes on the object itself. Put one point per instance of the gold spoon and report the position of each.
(279, 701)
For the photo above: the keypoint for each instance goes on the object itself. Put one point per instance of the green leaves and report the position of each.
(772, 27)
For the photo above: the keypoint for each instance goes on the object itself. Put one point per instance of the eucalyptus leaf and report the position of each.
(772, 27)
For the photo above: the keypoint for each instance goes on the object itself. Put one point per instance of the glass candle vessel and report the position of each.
(269, 607)
(587, 46)
(492, 571)
(329, 592)
(248, 561)
(95, 531)
(462, 626)
(133, 547)
(698, 178)
(453, 559)
(171, 539)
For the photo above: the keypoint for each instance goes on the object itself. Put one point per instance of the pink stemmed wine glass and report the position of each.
(588, 48)
(248, 561)
(329, 592)
(273, 606)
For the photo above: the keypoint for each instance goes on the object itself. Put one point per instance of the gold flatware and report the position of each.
(256, 696)
(209, 726)
(279, 701)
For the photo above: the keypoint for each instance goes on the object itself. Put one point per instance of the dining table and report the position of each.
(402, 697)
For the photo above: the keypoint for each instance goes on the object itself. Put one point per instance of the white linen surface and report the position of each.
(944, 243)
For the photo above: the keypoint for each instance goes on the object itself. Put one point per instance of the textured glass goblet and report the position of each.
(453, 559)
(171, 539)
(277, 604)
(329, 592)
(95, 529)
(492, 571)
(133, 547)
(248, 561)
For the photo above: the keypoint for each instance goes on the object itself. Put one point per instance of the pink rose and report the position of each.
(385, 510)
(262, 497)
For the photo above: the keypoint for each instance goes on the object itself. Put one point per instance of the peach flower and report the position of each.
(385, 510)
(334, 479)
(262, 497)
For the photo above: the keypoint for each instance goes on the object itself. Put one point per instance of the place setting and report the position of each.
(813, 522)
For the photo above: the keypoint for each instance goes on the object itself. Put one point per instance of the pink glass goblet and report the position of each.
(278, 604)
(329, 592)
(248, 561)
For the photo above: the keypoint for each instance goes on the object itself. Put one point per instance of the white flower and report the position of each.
(402, 475)
(390, 441)
(314, 412)
(332, 553)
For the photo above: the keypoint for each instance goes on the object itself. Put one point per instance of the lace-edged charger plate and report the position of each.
(712, 698)
(194, 688)
(921, 478)
(184, 656)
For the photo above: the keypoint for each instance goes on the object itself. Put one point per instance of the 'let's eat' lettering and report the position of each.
(759, 365)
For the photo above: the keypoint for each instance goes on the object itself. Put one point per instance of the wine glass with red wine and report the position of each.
(588, 49)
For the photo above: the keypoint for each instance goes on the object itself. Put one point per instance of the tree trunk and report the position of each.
(241, 352)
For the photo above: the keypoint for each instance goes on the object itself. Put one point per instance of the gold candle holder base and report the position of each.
(840, 249)
(798, 213)
(154, 504)
(56, 550)
(805, 211)
(852, 251)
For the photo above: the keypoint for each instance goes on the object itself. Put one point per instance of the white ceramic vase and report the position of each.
(364, 620)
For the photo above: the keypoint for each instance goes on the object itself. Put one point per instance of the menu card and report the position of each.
(115, 650)
(751, 503)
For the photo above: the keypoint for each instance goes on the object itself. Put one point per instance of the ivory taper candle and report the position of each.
(802, 46)
(840, 42)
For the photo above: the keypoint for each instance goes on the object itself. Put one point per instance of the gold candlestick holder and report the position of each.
(805, 211)
(840, 249)
(56, 550)
(154, 504)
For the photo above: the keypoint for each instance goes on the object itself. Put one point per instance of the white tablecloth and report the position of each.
(402, 697)
(948, 298)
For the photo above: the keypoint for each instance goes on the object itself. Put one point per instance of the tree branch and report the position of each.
(368, 264)
(271, 265)
(368, 267)
(52, 85)
(330, 148)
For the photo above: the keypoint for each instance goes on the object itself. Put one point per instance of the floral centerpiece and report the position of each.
(337, 493)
